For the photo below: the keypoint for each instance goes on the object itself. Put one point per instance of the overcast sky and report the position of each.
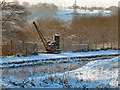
(104, 3)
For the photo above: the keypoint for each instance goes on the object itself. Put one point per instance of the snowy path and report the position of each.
(14, 62)
(61, 55)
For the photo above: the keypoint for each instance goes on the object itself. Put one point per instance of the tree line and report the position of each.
(97, 31)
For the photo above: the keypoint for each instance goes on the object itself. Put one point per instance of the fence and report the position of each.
(17, 48)
(75, 47)
(31, 48)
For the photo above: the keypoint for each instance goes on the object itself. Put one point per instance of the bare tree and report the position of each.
(13, 20)
(12, 11)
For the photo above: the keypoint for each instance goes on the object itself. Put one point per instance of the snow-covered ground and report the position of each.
(95, 74)
(102, 73)
(68, 14)
(61, 55)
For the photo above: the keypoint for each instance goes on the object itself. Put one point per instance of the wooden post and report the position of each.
(11, 47)
(88, 45)
(111, 46)
(6, 49)
(103, 45)
(26, 50)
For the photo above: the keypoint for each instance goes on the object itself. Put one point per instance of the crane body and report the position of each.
(51, 47)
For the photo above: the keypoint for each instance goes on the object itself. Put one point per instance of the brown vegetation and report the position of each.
(97, 31)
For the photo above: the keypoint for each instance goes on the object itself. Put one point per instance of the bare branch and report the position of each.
(7, 18)
(2, 4)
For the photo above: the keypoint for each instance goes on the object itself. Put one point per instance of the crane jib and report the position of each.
(51, 47)
(41, 36)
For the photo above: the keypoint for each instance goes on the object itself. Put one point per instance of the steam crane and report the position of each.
(51, 47)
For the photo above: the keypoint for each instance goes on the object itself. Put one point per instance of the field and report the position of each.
(64, 49)
(89, 72)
